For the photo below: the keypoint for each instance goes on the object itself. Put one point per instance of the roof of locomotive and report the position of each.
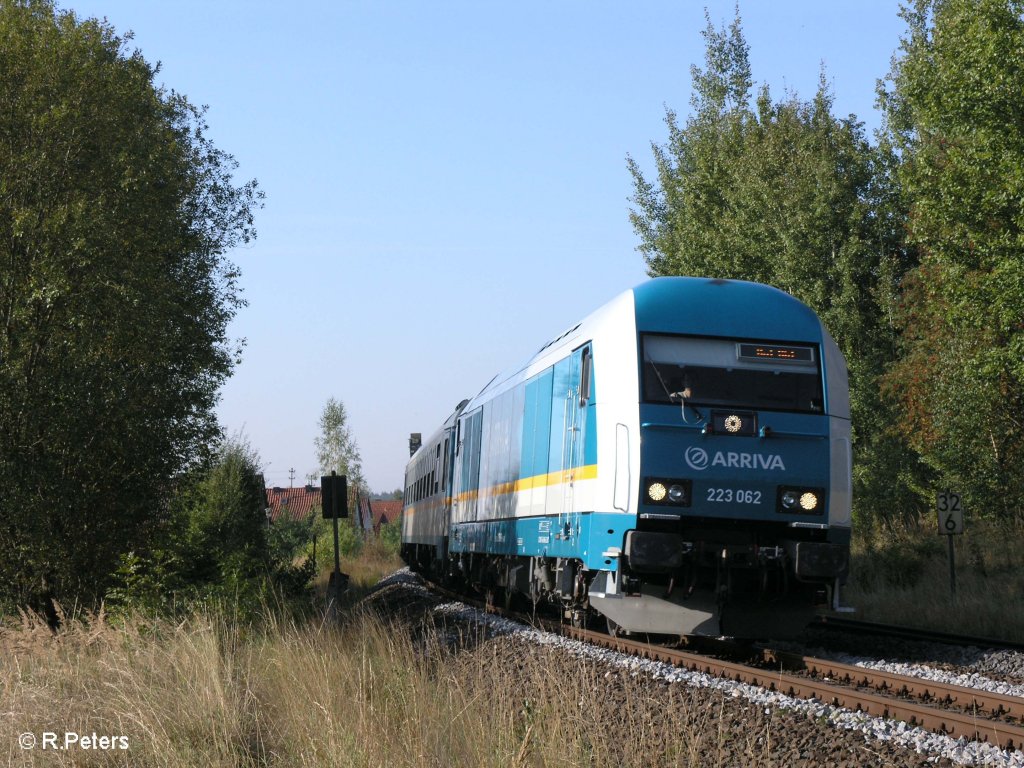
(727, 308)
(698, 306)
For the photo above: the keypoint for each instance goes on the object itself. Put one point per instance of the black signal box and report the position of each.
(334, 496)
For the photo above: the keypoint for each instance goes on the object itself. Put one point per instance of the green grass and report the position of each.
(900, 575)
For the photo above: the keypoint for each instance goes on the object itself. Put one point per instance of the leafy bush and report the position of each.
(391, 536)
(350, 539)
(215, 545)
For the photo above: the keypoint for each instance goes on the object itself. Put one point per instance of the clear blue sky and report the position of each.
(446, 181)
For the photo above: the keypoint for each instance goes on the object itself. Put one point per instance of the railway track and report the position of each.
(969, 700)
(956, 711)
(855, 626)
(952, 710)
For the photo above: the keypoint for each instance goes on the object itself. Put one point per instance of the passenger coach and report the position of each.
(678, 461)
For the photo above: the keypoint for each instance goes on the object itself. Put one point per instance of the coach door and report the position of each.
(576, 394)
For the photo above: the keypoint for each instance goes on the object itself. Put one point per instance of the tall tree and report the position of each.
(336, 448)
(956, 121)
(116, 213)
(782, 192)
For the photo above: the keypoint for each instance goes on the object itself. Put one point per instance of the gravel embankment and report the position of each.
(1000, 671)
(781, 731)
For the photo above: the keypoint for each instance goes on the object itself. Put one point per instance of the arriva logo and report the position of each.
(699, 460)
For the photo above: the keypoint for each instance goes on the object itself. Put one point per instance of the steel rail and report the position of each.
(968, 699)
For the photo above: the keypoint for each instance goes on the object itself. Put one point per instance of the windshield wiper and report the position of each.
(674, 396)
(681, 396)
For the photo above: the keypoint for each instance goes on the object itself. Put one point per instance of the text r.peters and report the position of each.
(71, 740)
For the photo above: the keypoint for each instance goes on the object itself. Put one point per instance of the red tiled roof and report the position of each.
(385, 511)
(299, 503)
(294, 503)
(375, 512)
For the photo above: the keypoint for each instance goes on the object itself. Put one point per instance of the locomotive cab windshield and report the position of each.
(722, 372)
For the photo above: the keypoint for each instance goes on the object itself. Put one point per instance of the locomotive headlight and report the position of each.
(801, 501)
(667, 491)
(657, 491)
(809, 501)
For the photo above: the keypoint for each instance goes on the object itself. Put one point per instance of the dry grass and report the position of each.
(214, 692)
(375, 561)
(900, 575)
(205, 693)
(174, 689)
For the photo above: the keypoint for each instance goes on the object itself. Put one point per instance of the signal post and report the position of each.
(334, 502)
(950, 507)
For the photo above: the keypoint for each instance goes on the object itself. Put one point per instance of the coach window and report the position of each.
(437, 465)
(585, 377)
(444, 466)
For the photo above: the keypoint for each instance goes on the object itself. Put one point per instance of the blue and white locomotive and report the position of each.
(679, 462)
